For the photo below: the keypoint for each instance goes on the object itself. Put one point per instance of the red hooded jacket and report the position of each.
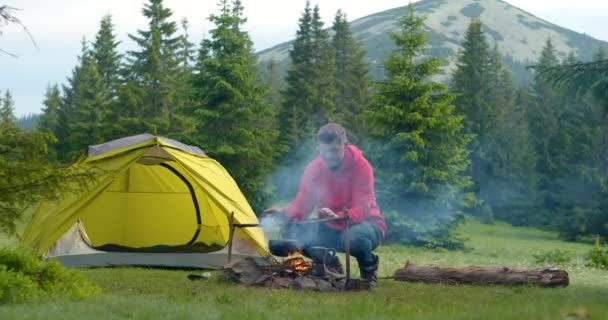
(351, 186)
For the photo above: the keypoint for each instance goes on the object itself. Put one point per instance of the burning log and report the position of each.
(543, 277)
(293, 273)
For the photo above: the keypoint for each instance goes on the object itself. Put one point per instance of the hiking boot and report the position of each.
(333, 264)
(369, 273)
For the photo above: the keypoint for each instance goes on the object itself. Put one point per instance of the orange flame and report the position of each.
(295, 263)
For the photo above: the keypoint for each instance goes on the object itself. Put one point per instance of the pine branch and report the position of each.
(6, 17)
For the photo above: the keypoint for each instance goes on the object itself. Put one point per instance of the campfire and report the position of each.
(323, 273)
(294, 271)
(296, 264)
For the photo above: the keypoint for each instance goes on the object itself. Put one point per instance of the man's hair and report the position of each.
(332, 132)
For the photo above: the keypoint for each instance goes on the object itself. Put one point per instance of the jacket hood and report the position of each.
(352, 154)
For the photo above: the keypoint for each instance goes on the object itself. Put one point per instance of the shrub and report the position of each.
(26, 278)
(598, 256)
(557, 257)
(441, 234)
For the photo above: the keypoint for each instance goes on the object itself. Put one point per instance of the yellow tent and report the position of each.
(152, 201)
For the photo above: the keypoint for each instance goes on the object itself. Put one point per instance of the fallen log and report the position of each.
(544, 277)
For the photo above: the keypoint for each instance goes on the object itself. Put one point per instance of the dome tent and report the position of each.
(152, 201)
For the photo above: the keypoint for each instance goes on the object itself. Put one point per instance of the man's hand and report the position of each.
(273, 211)
(326, 213)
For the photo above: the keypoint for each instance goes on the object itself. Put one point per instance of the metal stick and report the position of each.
(231, 236)
(347, 243)
(318, 220)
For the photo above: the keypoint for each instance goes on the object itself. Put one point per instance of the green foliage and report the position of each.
(26, 278)
(7, 106)
(598, 256)
(352, 79)
(567, 130)
(107, 57)
(309, 99)
(406, 230)
(502, 153)
(235, 124)
(154, 76)
(416, 143)
(84, 109)
(26, 176)
(553, 257)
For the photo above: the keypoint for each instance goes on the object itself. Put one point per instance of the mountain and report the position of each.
(520, 35)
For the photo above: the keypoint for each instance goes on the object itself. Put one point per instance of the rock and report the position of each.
(304, 283)
(323, 285)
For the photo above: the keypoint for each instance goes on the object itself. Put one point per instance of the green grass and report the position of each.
(135, 293)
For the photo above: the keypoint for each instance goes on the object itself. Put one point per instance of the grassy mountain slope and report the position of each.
(519, 34)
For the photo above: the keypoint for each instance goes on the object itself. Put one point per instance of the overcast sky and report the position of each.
(58, 27)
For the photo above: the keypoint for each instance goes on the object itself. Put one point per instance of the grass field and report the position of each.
(135, 293)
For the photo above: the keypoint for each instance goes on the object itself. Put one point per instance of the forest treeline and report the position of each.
(530, 154)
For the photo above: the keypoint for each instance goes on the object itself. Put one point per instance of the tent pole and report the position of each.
(231, 236)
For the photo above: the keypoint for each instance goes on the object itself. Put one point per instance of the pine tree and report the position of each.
(508, 185)
(503, 159)
(272, 79)
(323, 73)
(153, 75)
(49, 120)
(309, 99)
(25, 174)
(235, 124)
(470, 82)
(107, 57)
(84, 108)
(352, 76)
(7, 113)
(418, 149)
(543, 117)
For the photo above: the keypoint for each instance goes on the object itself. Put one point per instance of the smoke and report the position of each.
(272, 226)
(286, 178)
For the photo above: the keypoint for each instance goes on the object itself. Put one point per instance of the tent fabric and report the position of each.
(138, 139)
(149, 192)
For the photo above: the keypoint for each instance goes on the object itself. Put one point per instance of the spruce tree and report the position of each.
(418, 148)
(323, 73)
(25, 174)
(503, 159)
(352, 77)
(84, 109)
(272, 79)
(235, 124)
(544, 113)
(107, 57)
(305, 105)
(153, 75)
(470, 83)
(7, 104)
(309, 98)
(508, 185)
(49, 120)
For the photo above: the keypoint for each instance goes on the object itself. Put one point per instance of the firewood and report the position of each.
(543, 277)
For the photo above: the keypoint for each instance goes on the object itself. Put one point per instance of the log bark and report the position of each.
(544, 277)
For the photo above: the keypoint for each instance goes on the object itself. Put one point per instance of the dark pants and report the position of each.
(364, 237)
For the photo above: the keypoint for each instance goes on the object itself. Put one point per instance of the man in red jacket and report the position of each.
(340, 177)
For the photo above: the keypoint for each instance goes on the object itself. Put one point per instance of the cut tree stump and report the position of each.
(543, 277)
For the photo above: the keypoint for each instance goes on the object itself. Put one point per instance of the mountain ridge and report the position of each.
(519, 35)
